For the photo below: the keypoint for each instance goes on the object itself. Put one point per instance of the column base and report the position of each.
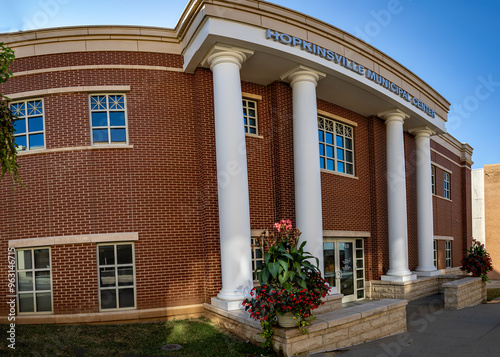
(428, 273)
(398, 278)
(227, 305)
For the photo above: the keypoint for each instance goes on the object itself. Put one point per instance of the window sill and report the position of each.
(339, 174)
(443, 198)
(75, 148)
(254, 136)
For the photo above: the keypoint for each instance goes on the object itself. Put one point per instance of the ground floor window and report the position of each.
(344, 266)
(435, 254)
(116, 276)
(448, 253)
(257, 256)
(34, 288)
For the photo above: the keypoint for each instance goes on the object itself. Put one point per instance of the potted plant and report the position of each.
(478, 261)
(290, 285)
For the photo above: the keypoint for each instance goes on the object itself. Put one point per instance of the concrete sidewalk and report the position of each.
(434, 331)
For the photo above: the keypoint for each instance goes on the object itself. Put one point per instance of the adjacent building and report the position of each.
(152, 157)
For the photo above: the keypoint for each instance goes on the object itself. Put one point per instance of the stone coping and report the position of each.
(322, 321)
(460, 283)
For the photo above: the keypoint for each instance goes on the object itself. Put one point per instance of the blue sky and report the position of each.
(452, 45)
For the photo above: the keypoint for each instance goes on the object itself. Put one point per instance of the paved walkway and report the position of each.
(436, 332)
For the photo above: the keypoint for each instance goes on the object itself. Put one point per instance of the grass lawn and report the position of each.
(493, 293)
(198, 337)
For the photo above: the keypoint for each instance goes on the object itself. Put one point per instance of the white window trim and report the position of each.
(108, 127)
(34, 291)
(27, 148)
(335, 147)
(248, 126)
(447, 182)
(114, 244)
(433, 179)
(446, 249)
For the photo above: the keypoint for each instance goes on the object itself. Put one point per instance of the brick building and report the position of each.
(144, 184)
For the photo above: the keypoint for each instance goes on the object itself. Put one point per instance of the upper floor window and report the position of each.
(433, 179)
(34, 290)
(29, 124)
(336, 147)
(447, 185)
(108, 119)
(250, 116)
(116, 276)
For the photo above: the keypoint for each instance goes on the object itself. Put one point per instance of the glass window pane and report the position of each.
(116, 102)
(100, 135)
(125, 276)
(42, 259)
(24, 259)
(21, 141)
(329, 138)
(98, 102)
(321, 163)
(340, 141)
(359, 274)
(251, 112)
(35, 107)
(126, 297)
(359, 243)
(107, 276)
(20, 126)
(359, 264)
(18, 109)
(118, 136)
(348, 156)
(361, 294)
(329, 151)
(329, 164)
(251, 104)
(35, 124)
(25, 281)
(361, 284)
(36, 141)
(43, 302)
(42, 280)
(359, 253)
(340, 166)
(320, 135)
(349, 169)
(321, 149)
(253, 131)
(124, 254)
(340, 154)
(117, 118)
(26, 303)
(106, 255)
(108, 299)
(348, 144)
(252, 122)
(99, 119)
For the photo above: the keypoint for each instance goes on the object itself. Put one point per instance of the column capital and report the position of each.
(423, 131)
(226, 54)
(302, 73)
(393, 114)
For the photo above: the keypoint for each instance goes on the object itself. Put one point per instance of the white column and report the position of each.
(308, 213)
(424, 204)
(396, 198)
(232, 175)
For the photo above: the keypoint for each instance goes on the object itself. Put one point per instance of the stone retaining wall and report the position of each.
(407, 290)
(464, 292)
(329, 331)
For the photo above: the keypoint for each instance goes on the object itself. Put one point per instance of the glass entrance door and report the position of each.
(344, 265)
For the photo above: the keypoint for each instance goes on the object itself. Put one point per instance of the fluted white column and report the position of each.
(396, 198)
(424, 204)
(232, 175)
(308, 213)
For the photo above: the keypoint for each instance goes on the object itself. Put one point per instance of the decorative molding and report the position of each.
(346, 234)
(96, 66)
(441, 167)
(336, 117)
(446, 157)
(75, 148)
(65, 90)
(77, 239)
(251, 96)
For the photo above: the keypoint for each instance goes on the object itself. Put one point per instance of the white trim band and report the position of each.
(50, 91)
(78, 239)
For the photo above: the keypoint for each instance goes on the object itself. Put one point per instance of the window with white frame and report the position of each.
(29, 125)
(116, 276)
(257, 256)
(250, 116)
(108, 119)
(433, 179)
(435, 254)
(336, 147)
(448, 253)
(447, 185)
(34, 288)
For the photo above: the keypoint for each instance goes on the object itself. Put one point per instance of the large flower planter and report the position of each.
(286, 320)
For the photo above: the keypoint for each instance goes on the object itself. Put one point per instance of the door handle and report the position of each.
(338, 274)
